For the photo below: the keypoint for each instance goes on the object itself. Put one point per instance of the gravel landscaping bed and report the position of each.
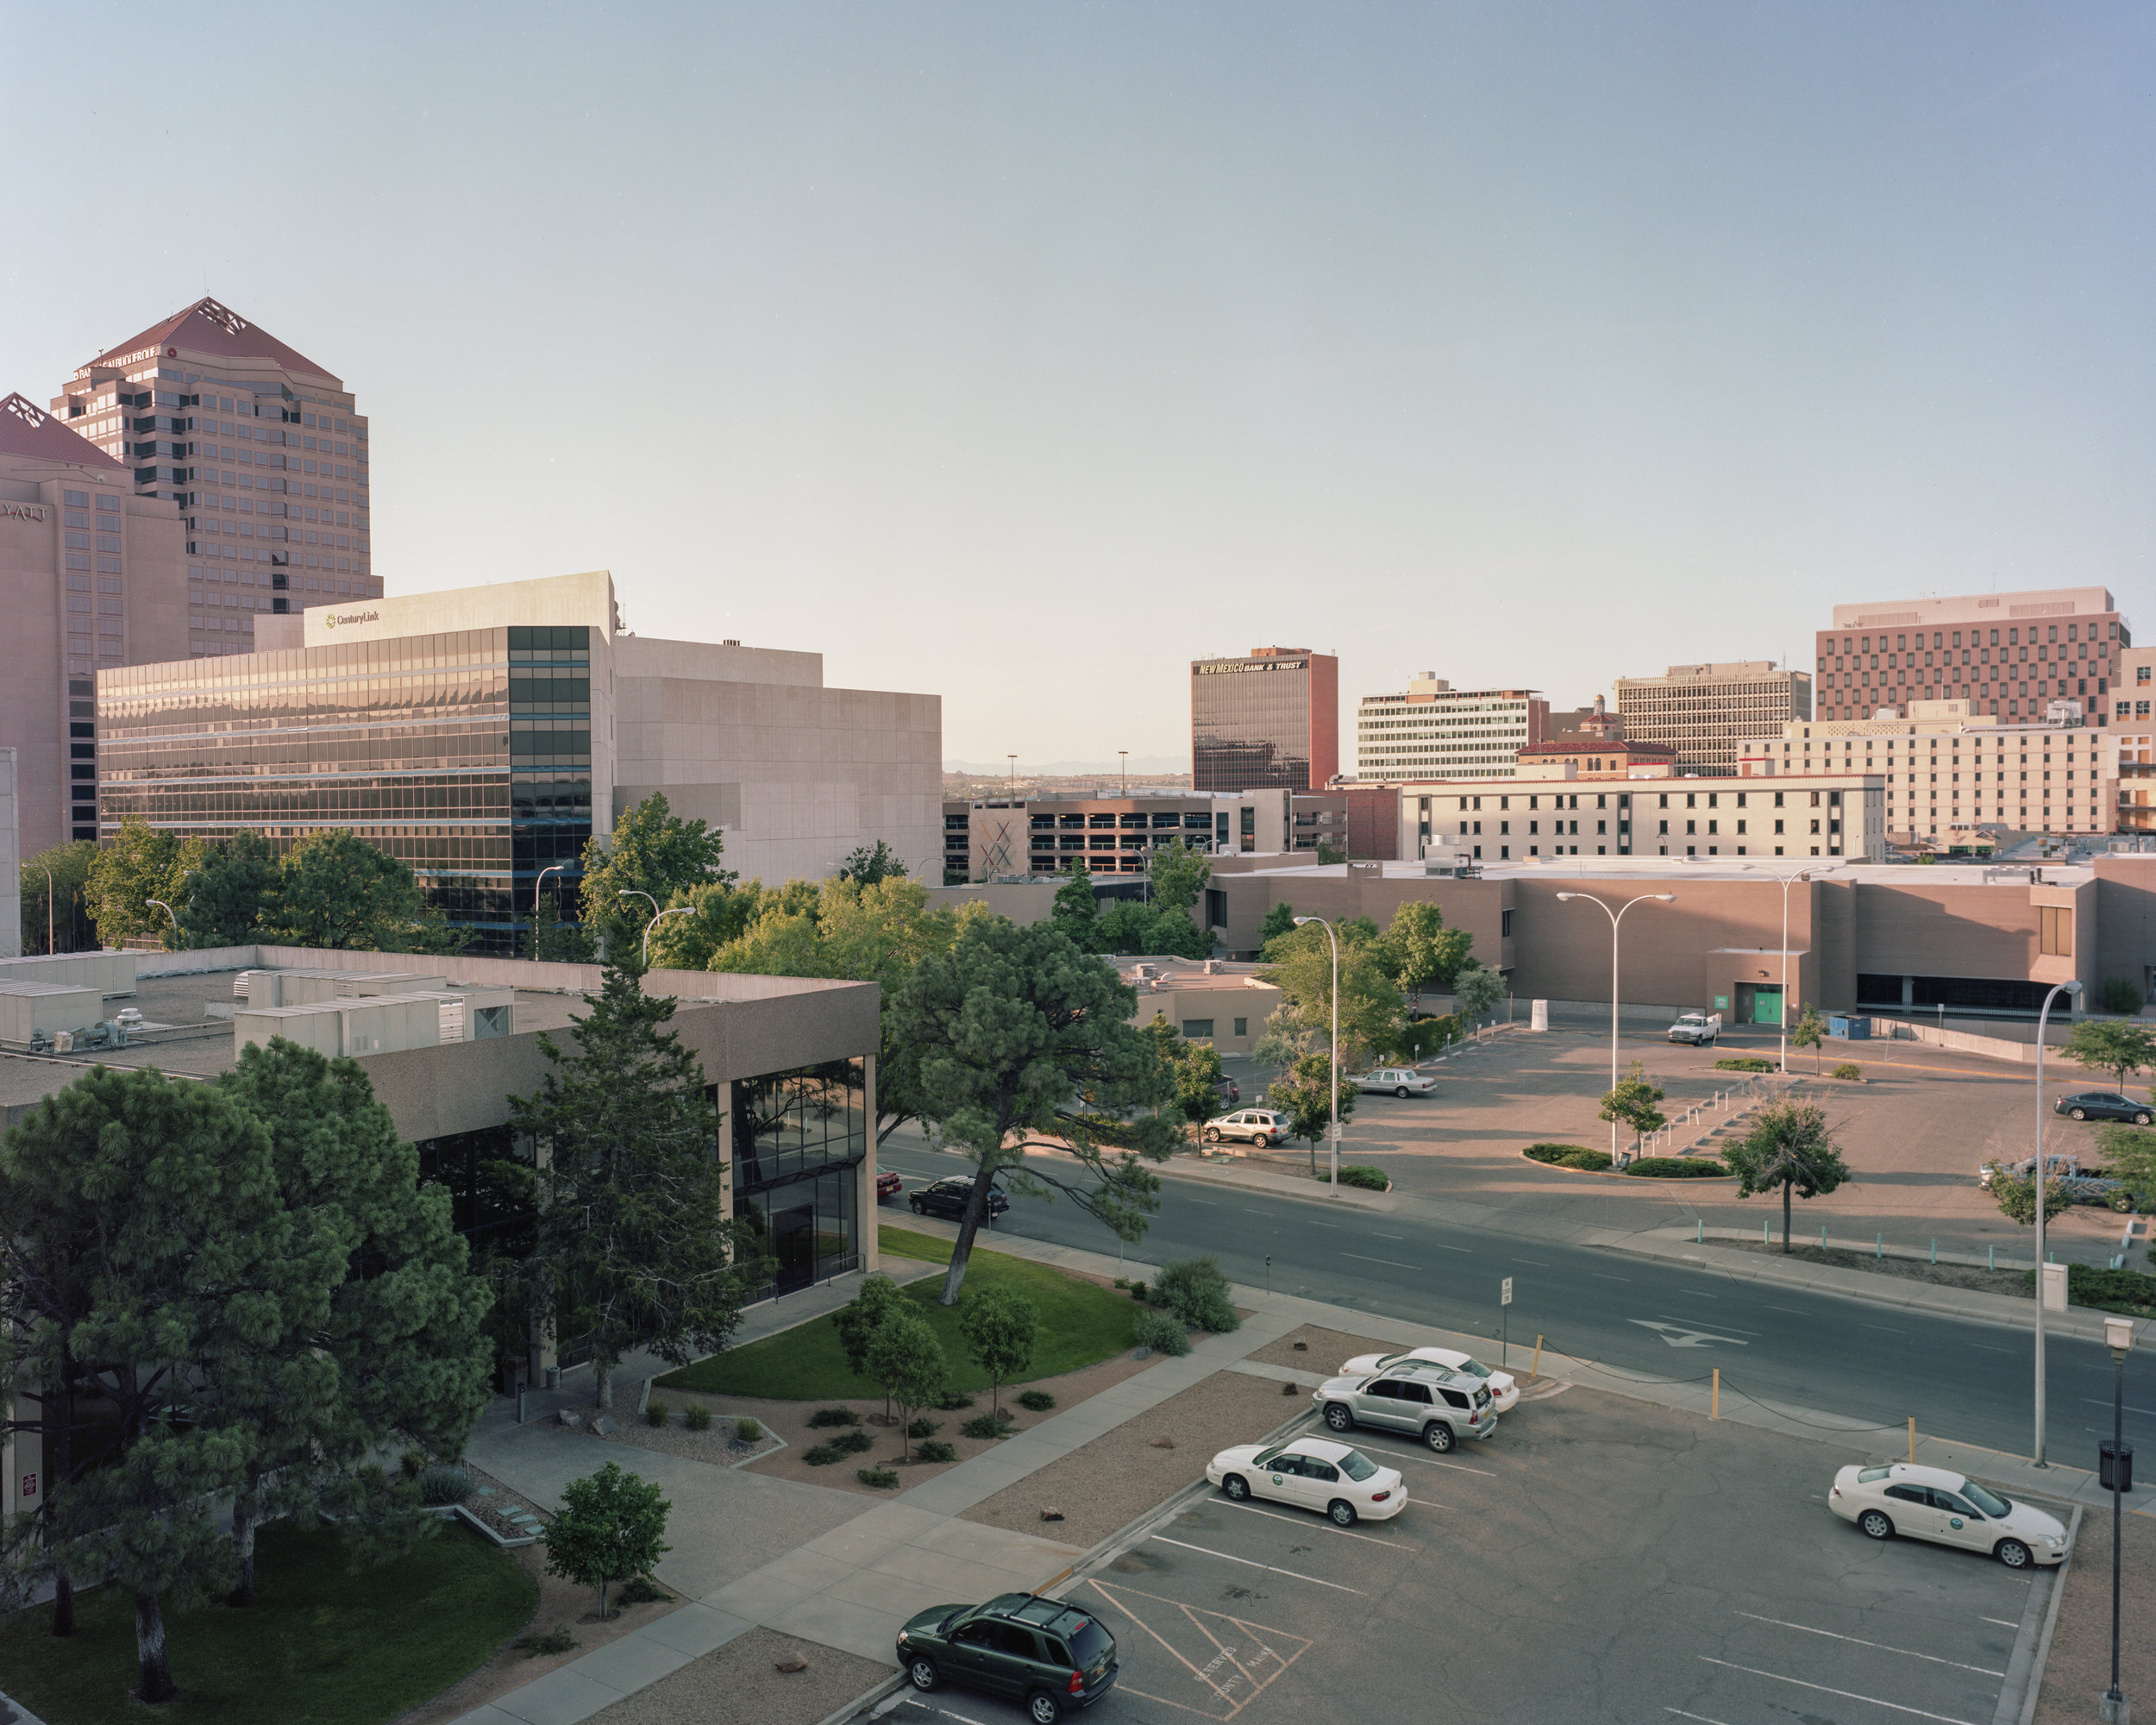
(508, 1513)
(1323, 1350)
(741, 1683)
(718, 1443)
(2079, 1668)
(1105, 1484)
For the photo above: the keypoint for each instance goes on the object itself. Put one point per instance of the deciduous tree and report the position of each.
(612, 1526)
(649, 850)
(334, 889)
(907, 1362)
(1477, 990)
(1075, 910)
(1301, 966)
(1278, 920)
(868, 864)
(53, 884)
(1179, 875)
(1024, 1043)
(858, 1318)
(1193, 1069)
(1631, 1104)
(139, 863)
(1424, 950)
(1789, 1145)
(1001, 1327)
(1810, 1031)
(1302, 1092)
(2119, 1046)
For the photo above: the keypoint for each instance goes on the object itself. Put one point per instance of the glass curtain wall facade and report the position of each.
(1269, 722)
(467, 755)
(799, 1138)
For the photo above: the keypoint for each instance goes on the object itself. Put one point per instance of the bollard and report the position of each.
(1536, 1370)
(520, 1404)
(1991, 1258)
(1717, 1412)
(1882, 1251)
(1935, 1252)
(1763, 1240)
(1912, 1440)
(1698, 1236)
(1822, 1236)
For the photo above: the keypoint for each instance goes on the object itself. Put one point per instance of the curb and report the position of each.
(2031, 1671)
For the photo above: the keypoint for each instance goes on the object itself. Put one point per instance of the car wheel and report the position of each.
(2013, 1554)
(2077, 1113)
(1042, 1709)
(1264, 1141)
(1876, 1524)
(1401, 1091)
(1438, 1436)
(2142, 1118)
(1338, 1417)
(919, 1208)
(1213, 1135)
(921, 1672)
(1237, 1487)
(1342, 1512)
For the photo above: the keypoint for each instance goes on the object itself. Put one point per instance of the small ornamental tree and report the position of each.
(1809, 1032)
(1631, 1104)
(1192, 1070)
(1424, 949)
(1789, 1145)
(907, 1362)
(869, 864)
(1477, 989)
(2130, 1154)
(2119, 1046)
(1301, 1093)
(858, 1320)
(1000, 1328)
(612, 1526)
(1179, 875)
(2016, 1196)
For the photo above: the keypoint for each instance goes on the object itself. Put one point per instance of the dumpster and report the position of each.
(1851, 1029)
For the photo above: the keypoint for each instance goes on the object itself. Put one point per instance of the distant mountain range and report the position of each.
(1138, 763)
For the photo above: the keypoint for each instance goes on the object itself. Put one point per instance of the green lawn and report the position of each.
(322, 1647)
(1081, 1324)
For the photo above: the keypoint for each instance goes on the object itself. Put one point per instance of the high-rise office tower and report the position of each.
(1704, 712)
(263, 451)
(1269, 722)
(1437, 731)
(92, 575)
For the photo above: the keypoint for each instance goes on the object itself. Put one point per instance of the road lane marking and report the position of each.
(1845, 1694)
(1701, 1717)
(1739, 1328)
(2130, 1408)
(1393, 1262)
(1988, 1348)
(1391, 1237)
(1906, 1652)
(1440, 1246)
(1599, 1276)
(1888, 1329)
(1252, 1563)
(1210, 1203)
(1678, 1336)
(1326, 1526)
(1537, 1261)
(1791, 1310)
(2001, 1621)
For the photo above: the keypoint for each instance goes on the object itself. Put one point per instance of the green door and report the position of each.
(1766, 1004)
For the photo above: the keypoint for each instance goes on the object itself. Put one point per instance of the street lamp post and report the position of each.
(2118, 1336)
(1333, 1096)
(1616, 917)
(1126, 754)
(536, 887)
(657, 917)
(1787, 879)
(48, 912)
(2073, 991)
(167, 909)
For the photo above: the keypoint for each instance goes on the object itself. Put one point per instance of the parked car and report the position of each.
(2102, 1105)
(1699, 1029)
(1948, 1508)
(1046, 1654)
(949, 1197)
(1401, 1081)
(2082, 1185)
(1504, 1388)
(888, 1184)
(1311, 1473)
(1438, 1405)
(1227, 1090)
(1261, 1126)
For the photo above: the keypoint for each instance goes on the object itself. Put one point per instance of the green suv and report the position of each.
(1040, 1652)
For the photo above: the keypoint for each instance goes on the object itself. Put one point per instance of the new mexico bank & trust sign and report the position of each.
(1243, 667)
(337, 618)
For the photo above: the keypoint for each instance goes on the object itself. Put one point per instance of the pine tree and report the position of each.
(1075, 910)
(631, 1232)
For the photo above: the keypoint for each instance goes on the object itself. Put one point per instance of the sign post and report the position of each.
(1504, 1334)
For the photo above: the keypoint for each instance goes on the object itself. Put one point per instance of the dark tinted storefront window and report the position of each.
(481, 1207)
(797, 1139)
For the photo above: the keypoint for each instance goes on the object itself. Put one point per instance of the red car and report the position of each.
(888, 1184)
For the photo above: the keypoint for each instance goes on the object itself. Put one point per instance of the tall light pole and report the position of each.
(167, 909)
(1333, 1096)
(1787, 881)
(631, 893)
(1615, 917)
(536, 887)
(49, 910)
(1014, 759)
(2073, 991)
(2118, 1336)
(1126, 754)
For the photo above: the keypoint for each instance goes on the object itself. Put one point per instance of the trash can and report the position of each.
(1538, 1016)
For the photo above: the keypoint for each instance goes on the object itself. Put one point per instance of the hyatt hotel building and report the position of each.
(483, 735)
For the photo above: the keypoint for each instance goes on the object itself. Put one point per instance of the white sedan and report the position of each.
(1336, 1479)
(1400, 1080)
(1949, 1509)
(1504, 1388)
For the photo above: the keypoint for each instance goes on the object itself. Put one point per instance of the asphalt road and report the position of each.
(1794, 1350)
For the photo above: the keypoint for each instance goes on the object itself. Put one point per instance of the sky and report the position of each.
(1021, 353)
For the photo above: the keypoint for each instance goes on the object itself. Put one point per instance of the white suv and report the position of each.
(1261, 1126)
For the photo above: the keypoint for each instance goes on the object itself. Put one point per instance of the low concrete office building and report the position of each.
(1947, 940)
(481, 734)
(1702, 711)
(1207, 1000)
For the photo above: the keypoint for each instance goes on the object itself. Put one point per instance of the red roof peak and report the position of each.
(26, 428)
(210, 328)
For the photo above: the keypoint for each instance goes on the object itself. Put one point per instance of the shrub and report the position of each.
(933, 1449)
(882, 1478)
(822, 1418)
(1569, 1155)
(1849, 1070)
(822, 1455)
(1137, 1292)
(655, 1412)
(1197, 1293)
(2119, 995)
(1038, 1400)
(1369, 1179)
(441, 1483)
(1675, 1167)
(697, 1417)
(641, 1590)
(924, 1427)
(1123, 1282)
(1161, 1332)
(952, 1399)
(749, 1431)
(981, 1426)
(1744, 1062)
(414, 1462)
(853, 1443)
(2132, 1291)
(552, 1641)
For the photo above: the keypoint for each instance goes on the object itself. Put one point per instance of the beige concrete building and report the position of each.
(1945, 940)
(1701, 711)
(1209, 999)
(93, 576)
(1434, 731)
(2008, 655)
(263, 450)
(1954, 777)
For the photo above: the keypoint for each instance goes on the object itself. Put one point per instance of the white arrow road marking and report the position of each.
(1678, 1337)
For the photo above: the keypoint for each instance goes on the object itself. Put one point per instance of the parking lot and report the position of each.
(1597, 1559)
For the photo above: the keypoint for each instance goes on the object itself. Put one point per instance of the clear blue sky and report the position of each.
(1021, 353)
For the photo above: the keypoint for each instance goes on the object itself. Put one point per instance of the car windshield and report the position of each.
(1264, 1456)
(1356, 1465)
(1990, 1502)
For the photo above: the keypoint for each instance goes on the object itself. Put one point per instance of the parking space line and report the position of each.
(2002, 1622)
(1845, 1694)
(1392, 1262)
(1252, 1563)
(1701, 1717)
(1430, 1461)
(1907, 1653)
(2130, 1408)
(1537, 1261)
(1327, 1527)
